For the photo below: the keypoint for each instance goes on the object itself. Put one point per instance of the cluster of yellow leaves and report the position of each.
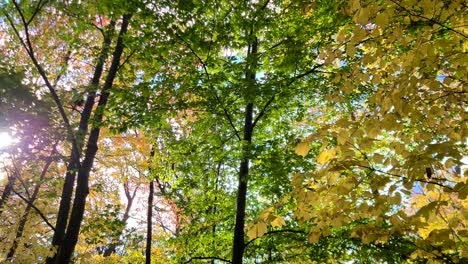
(443, 216)
(259, 226)
(412, 56)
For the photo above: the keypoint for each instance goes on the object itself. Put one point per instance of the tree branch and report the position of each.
(29, 49)
(35, 208)
(212, 258)
(226, 112)
(429, 19)
(304, 74)
(276, 232)
(126, 59)
(406, 178)
(39, 6)
(268, 103)
(262, 113)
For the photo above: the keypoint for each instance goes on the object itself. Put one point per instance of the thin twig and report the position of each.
(406, 178)
(36, 11)
(429, 19)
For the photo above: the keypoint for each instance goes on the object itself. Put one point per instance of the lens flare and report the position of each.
(6, 140)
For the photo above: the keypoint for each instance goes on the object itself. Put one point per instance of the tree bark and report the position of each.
(67, 247)
(238, 241)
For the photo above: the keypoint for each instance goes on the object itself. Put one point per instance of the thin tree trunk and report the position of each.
(67, 247)
(214, 207)
(130, 198)
(238, 242)
(72, 168)
(149, 216)
(27, 210)
(238, 245)
(149, 227)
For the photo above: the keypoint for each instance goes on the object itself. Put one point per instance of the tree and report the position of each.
(26, 18)
(282, 131)
(401, 61)
(226, 69)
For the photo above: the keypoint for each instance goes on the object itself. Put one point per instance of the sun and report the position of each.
(6, 140)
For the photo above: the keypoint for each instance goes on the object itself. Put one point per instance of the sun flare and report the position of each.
(6, 140)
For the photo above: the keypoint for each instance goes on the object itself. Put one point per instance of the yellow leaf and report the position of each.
(363, 16)
(314, 237)
(350, 50)
(261, 229)
(381, 20)
(278, 222)
(266, 213)
(465, 252)
(396, 199)
(325, 156)
(303, 148)
(343, 136)
(378, 158)
(252, 233)
(257, 230)
(297, 180)
(373, 131)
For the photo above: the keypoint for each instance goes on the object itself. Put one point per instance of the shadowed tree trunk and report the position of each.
(67, 247)
(149, 216)
(238, 242)
(149, 227)
(72, 168)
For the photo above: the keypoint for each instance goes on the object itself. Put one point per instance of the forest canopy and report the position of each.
(262, 131)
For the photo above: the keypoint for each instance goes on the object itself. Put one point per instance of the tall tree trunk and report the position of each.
(149, 224)
(27, 210)
(72, 168)
(67, 247)
(238, 241)
(149, 216)
(214, 207)
(238, 244)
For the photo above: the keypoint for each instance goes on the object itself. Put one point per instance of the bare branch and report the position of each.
(35, 208)
(304, 74)
(404, 178)
(294, 78)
